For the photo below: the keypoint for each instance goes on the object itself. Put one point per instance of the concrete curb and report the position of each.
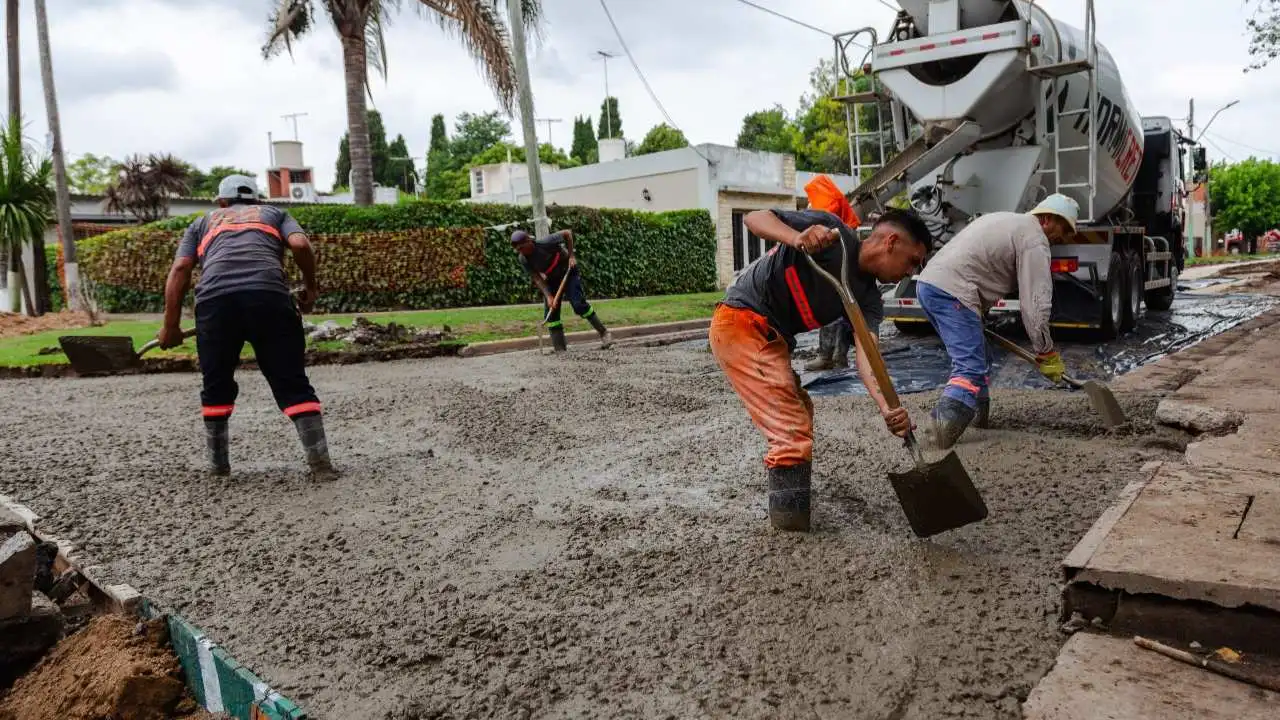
(586, 337)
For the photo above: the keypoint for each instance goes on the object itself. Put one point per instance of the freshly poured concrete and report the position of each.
(527, 536)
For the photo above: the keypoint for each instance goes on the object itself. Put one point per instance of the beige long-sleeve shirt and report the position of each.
(990, 258)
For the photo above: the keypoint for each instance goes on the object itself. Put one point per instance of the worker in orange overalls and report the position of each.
(753, 330)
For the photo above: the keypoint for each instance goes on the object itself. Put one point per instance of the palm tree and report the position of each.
(71, 292)
(359, 23)
(26, 200)
(143, 186)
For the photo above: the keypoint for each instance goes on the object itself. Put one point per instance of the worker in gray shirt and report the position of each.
(243, 296)
(991, 257)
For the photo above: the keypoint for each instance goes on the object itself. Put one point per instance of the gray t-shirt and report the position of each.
(239, 248)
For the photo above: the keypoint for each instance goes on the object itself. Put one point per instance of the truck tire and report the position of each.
(1162, 298)
(1113, 298)
(914, 329)
(1134, 281)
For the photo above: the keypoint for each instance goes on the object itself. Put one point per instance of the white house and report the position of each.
(726, 182)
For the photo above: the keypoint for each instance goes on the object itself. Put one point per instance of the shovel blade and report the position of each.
(938, 496)
(1104, 403)
(99, 355)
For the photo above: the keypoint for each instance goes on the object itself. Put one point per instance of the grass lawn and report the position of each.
(470, 325)
(1227, 259)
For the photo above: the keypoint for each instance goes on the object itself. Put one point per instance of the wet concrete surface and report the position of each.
(525, 536)
(920, 364)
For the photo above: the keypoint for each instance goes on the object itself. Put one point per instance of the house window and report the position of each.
(477, 182)
(747, 246)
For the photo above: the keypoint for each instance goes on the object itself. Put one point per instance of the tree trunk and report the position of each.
(22, 283)
(353, 63)
(71, 291)
(15, 73)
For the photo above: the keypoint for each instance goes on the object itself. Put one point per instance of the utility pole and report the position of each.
(608, 119)
(548, 121)
(516, 17)
(294, 117)
(63, 195)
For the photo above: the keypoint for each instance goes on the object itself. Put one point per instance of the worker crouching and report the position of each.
(551, 264)
(990, 258)
(753, 331)
(243, 296)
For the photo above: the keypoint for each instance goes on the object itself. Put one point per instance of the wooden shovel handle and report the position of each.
(863, 335)
(1025, 354)
(555, 302)
(153, 344)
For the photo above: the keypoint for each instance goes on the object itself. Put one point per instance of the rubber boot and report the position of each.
(606, 340)
(217, 440)
(840, 358)
(558, 342)
(982, 419)
(311, 434)
(789, 492)
(826, 348)
(948, 421)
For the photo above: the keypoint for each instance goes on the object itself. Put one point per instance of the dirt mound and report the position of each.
(14, 325)
(114, 668)
(367, 333)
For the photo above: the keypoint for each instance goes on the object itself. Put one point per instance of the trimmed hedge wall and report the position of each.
(427, 254)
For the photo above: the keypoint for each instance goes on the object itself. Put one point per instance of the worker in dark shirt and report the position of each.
(243, 296)
(753, 330)
(547, 260)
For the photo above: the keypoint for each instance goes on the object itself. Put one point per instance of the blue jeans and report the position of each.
(961, 331)
(574, 295)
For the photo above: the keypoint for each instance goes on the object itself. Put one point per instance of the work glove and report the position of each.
(1051, 366)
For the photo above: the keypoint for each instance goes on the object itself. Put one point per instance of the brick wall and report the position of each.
(728, 202)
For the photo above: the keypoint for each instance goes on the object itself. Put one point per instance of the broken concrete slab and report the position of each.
(23, 641)
(17, 575)
(1104, 678)
(1200, 419)
(1255, 446)
(1189, 534)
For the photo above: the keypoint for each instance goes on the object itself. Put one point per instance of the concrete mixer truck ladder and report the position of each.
(858, 103)
(1051, 75)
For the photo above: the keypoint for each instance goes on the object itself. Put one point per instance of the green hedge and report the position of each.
(622, 254)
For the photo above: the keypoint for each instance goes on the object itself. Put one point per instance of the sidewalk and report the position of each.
(1190, 555)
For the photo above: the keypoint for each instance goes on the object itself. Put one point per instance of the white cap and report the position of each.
(1062, 206)
(238, 187)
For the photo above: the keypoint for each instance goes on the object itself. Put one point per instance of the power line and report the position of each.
(789, 19)
(1243, 145)
(1224, 153)
(652, 95)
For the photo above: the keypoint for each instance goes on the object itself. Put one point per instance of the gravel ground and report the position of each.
(527, 536)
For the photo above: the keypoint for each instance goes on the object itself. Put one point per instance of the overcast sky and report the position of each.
(186, 76)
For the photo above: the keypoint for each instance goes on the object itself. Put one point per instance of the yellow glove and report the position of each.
(1051, 366)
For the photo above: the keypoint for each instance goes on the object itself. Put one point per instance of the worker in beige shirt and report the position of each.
(994, 255)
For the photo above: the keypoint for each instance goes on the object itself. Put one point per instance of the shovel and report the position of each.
(555, 303)
(935, 496)
(91, 355)
(1100, 396)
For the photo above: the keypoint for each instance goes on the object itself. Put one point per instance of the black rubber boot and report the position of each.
(840, 358)
(948, 421)
(982, 419)
(311, 434)
(558, 343)
(826, 348)
(217, 440)
(606, 340)
(789, 492)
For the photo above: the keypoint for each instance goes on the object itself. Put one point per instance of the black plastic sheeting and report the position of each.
(920, 364)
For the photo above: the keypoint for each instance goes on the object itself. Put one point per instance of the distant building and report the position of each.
(1199, 243)
(727, 182)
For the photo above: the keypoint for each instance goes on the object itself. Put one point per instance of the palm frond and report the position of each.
(290, 20)
(479, 26)
(26, 191)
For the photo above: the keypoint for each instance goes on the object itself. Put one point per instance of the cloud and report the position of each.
(187, 76)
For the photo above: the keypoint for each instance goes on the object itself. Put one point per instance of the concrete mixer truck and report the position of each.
(975, 106)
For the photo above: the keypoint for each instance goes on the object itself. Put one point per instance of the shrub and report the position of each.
(429, 254)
